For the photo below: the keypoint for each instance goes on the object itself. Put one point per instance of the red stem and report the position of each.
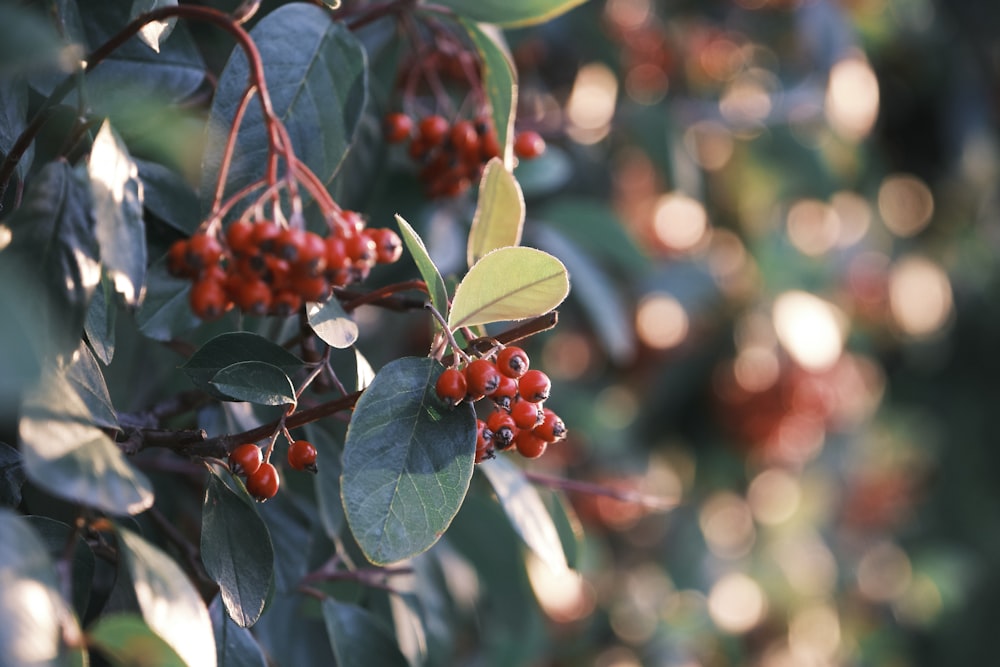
(227, 155)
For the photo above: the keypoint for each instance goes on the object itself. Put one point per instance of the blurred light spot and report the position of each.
(774, 495)
(721, 58)
(6, 236)
(919, 296)
(884, 572)
(617, 656)
(727, 256)
(727, 524)
(736, 603)
(661, 321)
(646, 83)
(564, 595)
(709, 143)
(852, 98)
(813, 226)
(756, 368)
(567, 354)
(905, 204)
(814, 634)
(746, 101)
(779, 655)
(921, 603)
(811, 329)
(855, 215)
(679, 222)
(664, 480)
(617, 406)
(627, 14)
(799, 438)
(643, 594)
(807, 564)
(31, 632)
(591, 104)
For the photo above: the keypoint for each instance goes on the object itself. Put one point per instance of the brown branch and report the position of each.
(658, 503)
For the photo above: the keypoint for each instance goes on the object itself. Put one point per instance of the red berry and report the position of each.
(512, 361)
(529, 445)
(489, 144)
(505, 393)
(336, 254)
(302, 455)
(526, 415)
(311, 288)
(482, 378)
(285, 303)
(552, 427)
(502, 426)
(534, 386)
(208, 299)
(528, 145)
(239, 237)
(204, 250)
(484, 438)
(312, 255)
(397, 127)
(177, 260)
(288, 243)
(464, 137)
(263, 483)
(252, 295)
(388, 245)
(451, 386)
(265, 233)
(245, 459)
(361, 248)
(433, 129)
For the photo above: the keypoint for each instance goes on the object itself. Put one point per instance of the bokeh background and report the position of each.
(781, 222)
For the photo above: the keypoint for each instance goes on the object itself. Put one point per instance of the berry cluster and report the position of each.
(262, 479)
(519, 417)
(264, 268)
(451, 155)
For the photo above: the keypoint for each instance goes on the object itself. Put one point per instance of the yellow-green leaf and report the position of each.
(509, 284)
(428, 271)
(499, 214)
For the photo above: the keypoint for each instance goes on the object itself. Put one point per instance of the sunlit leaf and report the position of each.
(358, 639)
(511, 13)
(526, 511)
(170, 605)
(425, 265)
(55, 535)
(407, 462)
(332, 324)
(499, 215)
(126, 641)
(254, 381)
(154, 32)
(509, 284)
(500, 81)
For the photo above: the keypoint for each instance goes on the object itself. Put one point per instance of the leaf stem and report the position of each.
(652, 502)
(447, 331)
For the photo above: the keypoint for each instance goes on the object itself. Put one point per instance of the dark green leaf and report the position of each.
(28, 574)
(318, 85)
(332, 324)
(500, 81)
(289, 527)
(53, 246)
(126, 641)
(168, 196)
(358, 639)
(567, 525)
(511, 13)
(55, 536)
(425, 265)
(154, 33)
(86, 377)
(327, 480)
(166, 310)
(254, 381)
(13, 120)
(407, 462)
(526, 511)
(102, 313)
(69, 457)
(236, 549)
(27, 41)
(292, 631)
(234, 646)
(170, 605)
(117, 200)
(12, 475)
(233, 348)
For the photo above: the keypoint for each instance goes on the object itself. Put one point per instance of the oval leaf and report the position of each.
(425, 265)
(318, 83)
(235, 646)
(327, 480)
(86, 377)
(102, 313)
(499, 214)
(170, 605)
(509, 284)
(500, 80)
(358, 639)
(254, 381)
(165, 312)
(236, 549)
(511, 13)
(407, 462)
(117, 201)
(233, 348)
(126, 641)
(332, 323)
(526, 511)
(55, 536)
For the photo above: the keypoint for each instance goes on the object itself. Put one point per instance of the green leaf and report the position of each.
(318, 83)
(12, 475)
(327, 480)
(170, 605)
(425, 265)
(511, 13)
(166, 311)
(55, 535)
(332, 323)
(53, 246)
(27, 41)
(407, 462)
(117, 200)
(88, 380)
(567, 525)
(236, 549)
(70, 458)
(126, 641)
(290, 527)
(509, 284)
(235, 646)
(232, 348)
(169, 197)
(30, 633)
(357, 637)
(526, 511)
(99, 325)
(13, 120)
(499, 215)
(254, 381)
(500, 81)
(154, 33)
